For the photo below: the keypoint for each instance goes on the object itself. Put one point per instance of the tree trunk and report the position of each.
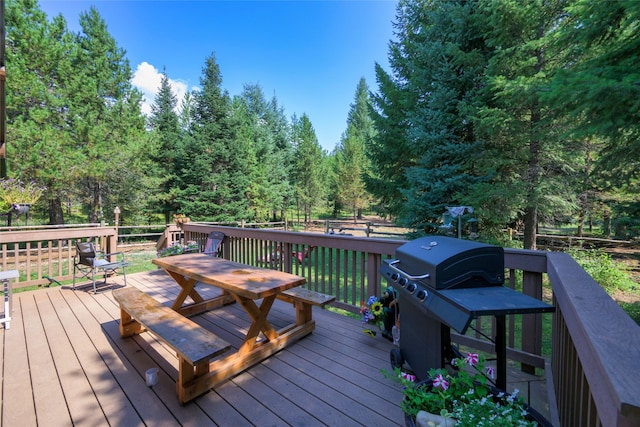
(530, 222)
(533, 177)
(96, 212)
(56, 214)
(581, 217)
(606, 223)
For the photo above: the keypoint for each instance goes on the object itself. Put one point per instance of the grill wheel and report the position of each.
(396, 358)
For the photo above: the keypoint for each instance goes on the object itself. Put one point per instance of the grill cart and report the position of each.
(445, 283)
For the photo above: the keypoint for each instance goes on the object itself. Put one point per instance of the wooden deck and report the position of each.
(64, 363)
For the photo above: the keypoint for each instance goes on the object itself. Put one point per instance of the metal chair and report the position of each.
(214, 244)
(87, 260)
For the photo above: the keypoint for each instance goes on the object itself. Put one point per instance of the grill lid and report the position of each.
(444, 262)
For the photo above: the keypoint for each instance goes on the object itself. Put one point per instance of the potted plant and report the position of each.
(461, 398)
(179, 248)
(180, 219)
(381, 313)
(17, 196)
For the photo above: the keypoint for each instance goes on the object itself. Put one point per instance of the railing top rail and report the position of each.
(606, 339)
(382, 246)
(526, 260)
(50, 227)
(71, 233)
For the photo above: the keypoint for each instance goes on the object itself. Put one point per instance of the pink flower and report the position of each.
(408, 377)
(440, 382)
(471, 359)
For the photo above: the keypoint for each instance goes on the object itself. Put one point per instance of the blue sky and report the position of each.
(309, 54)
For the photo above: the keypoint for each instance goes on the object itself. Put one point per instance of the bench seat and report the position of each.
(306, 296)
(303, 300)
(194, 345)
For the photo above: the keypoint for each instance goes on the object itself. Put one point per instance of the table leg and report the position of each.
(260, 322)
(187, 289)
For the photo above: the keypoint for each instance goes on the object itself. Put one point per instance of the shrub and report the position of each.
(610, 275)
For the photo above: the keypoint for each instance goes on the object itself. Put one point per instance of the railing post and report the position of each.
(374, 279)
(112, 242)
(532, 323)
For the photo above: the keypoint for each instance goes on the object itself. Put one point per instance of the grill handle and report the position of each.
(392, 266)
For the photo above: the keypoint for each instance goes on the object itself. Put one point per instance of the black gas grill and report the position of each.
(445, 283)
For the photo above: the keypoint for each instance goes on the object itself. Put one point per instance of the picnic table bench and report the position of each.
(194, 345)
(304, 299)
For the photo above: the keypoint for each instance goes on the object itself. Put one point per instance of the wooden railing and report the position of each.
(594, 351)
(41, 253)
(594, 343)
(593, 346)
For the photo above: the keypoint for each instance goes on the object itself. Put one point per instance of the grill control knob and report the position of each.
(402, 281)
(422, 295)
(394, 276)
(411, 288)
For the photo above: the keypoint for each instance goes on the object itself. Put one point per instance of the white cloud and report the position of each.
(147, 79)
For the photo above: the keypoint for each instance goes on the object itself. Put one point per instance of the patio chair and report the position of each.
(213, 246)
(88, 260)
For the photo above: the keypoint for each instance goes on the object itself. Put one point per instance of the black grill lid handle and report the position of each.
(392, 266)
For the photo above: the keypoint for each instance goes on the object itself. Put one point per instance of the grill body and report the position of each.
(425, 267)
(445, 283)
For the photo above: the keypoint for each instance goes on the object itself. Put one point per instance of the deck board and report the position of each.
(18, 407)
(47, 391)
(64, 363)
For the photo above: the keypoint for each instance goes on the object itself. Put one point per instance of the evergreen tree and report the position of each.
(41, 146)
(523, 144)
(351, 162)
(105, 118)
(282, 196)
(425, 133)
(213, 180)
(309, 167)
(164, 123)
(389, 151)
(260, 126)
(597, 84)
(350, 165)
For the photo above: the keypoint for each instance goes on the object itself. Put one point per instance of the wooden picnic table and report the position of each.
(242, 284)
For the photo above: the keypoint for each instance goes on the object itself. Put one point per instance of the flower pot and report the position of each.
(409, 421)
(424, 419)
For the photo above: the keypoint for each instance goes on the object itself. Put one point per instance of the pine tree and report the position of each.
(213, 180)
(105, 118)
(309, 168)
(39, 139)
(523, 143)
(425, 136)
(351, 162)
(598, 82)
(260, 126)
(164, 123)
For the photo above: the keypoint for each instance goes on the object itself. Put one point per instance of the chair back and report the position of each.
(86, 253)
(214, 240)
